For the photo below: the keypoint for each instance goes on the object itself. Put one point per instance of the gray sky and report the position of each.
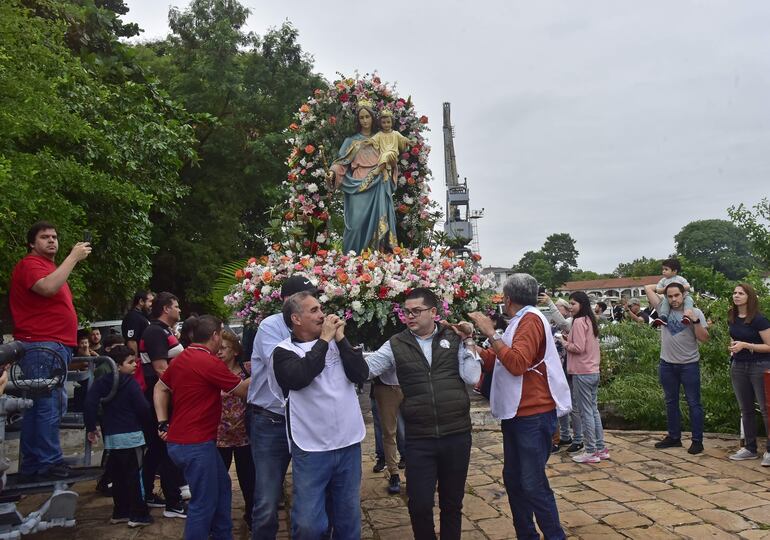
(618, 122)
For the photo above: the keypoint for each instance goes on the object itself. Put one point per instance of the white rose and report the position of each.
(323, 298)
(357, 306)
(312, 188)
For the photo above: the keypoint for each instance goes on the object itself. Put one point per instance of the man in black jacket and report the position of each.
(433, 366)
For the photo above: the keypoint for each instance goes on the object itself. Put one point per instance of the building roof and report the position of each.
(490, 269)
(611, 283)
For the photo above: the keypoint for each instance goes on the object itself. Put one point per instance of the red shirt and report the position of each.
(37, 317)
(196, 379)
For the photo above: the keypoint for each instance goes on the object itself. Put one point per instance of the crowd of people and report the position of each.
(189, 403)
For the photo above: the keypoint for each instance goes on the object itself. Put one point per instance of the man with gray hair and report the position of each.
(317, 369)
(528, 388)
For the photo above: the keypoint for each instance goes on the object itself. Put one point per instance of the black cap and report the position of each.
(296, 284)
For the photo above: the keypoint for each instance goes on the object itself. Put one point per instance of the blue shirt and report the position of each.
(270, 333)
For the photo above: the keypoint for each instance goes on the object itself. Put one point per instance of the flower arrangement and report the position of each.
(365, 289)
(310, 220)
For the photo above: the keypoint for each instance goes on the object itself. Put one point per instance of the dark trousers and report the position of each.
(156, 460)
(244, 467)
(672, 377)
(124, 466)
(749, 386)
(430, 461)
(526, 447)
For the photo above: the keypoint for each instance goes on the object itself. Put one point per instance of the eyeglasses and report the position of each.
(414, 312)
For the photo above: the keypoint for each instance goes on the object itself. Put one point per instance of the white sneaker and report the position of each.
(743, 454)
(185, 491)
(766, 459)
(585, 457)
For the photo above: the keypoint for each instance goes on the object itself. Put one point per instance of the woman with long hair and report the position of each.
(749, 359)
(582, 346)
(232, 434)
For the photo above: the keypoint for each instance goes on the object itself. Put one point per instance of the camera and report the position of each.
(11, 352)
(541, 290)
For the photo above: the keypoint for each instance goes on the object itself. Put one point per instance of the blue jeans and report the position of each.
(688, 376)
(574, 416)
(313, 473)
(586, 388)
(208, 514)
(526, 448)
(40, 447)
(270, 450)
(379, 451)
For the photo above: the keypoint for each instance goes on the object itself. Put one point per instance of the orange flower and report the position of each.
(307, 263)
(342, 277)
(497, 298)
(445, 264)
(427, 251)
(252, 260)
(397, 250)
(289, 215)
(305, 108)
(239, 274)
(333, 120)
(366, 278)
(309, 149)
(461, 263)
(267, 276)
(293, 127)
(476, 257)
(263, 259)
(371, 265)
(322, 253)
(423, 119)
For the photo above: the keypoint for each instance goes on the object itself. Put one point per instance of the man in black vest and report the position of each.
(433, 366)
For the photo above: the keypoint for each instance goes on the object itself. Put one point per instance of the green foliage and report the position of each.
(755, 224)
(82, 147)
(245, 88)
(717, 244)
(705, 280)
(585, 275)
(630, 381)
(553, 264)
(640, 267)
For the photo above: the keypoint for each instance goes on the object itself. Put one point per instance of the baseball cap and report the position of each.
(296, 284)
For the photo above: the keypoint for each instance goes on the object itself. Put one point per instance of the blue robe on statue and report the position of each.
(370, 220)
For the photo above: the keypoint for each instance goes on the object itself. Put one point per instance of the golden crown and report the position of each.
(365, 102)
(386, 112)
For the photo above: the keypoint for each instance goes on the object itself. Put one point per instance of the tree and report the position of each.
(246, 88)
(552, 265)
(640, 267)
(717, 244)
(84, 146)
(585, 275)
(559, 250)
(755, 224)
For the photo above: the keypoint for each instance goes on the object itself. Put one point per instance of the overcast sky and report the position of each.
(617, 122)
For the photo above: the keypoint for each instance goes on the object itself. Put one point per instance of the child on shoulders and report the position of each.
(670, 270)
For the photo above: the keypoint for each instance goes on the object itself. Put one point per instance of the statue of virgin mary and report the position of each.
(370, 220)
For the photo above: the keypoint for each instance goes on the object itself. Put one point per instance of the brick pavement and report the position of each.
(640, 493)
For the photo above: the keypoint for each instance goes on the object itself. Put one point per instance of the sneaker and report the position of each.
(155, 501)
(659, 322)
(140, 521)
(555, 448)
(603, 454)
(402, 464)
(565, 442)
(766, 459)
(175, 511)
(696, 447)
(185, 491)
(744, 454)
(379, 466)
(394, 485)
(668, 442)
(115, 520)
(575, 448)
(686, 321)
(585, 457)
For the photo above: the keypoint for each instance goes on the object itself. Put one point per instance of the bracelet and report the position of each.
(163, 426)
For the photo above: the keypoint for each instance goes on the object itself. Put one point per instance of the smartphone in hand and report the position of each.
(87, 236)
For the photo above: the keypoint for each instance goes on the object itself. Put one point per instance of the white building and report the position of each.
(630, 287)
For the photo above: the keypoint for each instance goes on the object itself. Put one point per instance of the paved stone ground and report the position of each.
(641, 493)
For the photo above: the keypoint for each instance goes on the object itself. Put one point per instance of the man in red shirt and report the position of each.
(44, 320)
(192, 384)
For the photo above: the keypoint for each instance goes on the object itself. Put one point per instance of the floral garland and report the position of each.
(366, 289)
(307, 221)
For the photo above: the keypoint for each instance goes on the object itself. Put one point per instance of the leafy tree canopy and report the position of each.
(643, 266)
(718, 244)
(246, 88)
(554, 263)
(755, 224)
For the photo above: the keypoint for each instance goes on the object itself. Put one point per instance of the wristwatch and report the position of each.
(163, 426)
